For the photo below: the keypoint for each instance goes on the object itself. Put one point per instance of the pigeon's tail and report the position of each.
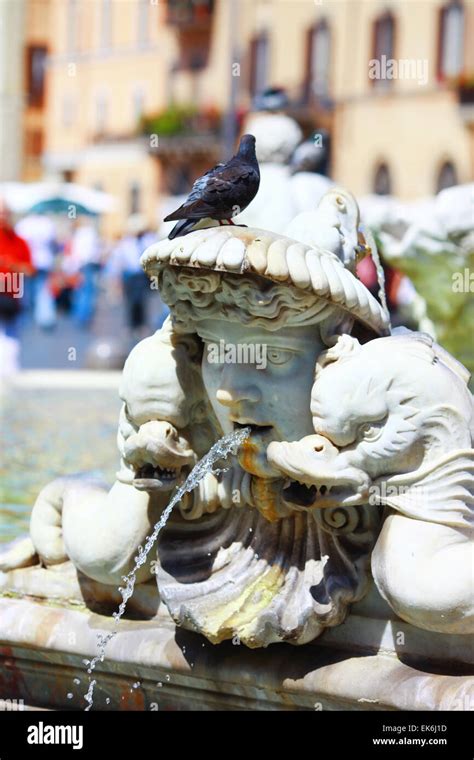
(182, 228)
(189, 225)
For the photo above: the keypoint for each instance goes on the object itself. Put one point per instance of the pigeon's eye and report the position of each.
(341, 204)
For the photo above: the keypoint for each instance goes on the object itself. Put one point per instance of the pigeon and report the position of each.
(222, 192)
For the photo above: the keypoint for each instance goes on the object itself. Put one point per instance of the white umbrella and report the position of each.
(21, 197)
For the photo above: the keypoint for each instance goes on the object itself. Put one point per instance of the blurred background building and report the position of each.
(138, 97)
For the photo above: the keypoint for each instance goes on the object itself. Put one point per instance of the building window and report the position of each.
(72, 19)
(382, 180)
(106, 25)
(451, 40)
(383, 47)
(259, 62)
(142, 21)
(318, 60)
(447, 176)
(35, 74)
(134, 204)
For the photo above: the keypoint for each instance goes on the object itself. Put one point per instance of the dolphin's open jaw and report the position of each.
(295, 493)
(305, 495)
(151, 477)
(300, 494)
(314, 479)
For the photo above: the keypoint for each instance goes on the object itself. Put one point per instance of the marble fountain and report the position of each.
(328, 565)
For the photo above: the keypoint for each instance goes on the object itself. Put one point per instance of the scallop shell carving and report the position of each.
(241, 575)
(244, 249)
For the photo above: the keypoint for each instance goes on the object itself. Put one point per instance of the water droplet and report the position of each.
(77, 680)
(107, 700)
(70, 695)
(159, 684)
(168, 678)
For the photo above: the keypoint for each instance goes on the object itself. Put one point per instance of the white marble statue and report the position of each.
(359, 460)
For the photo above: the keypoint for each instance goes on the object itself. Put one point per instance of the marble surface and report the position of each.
(154, 666)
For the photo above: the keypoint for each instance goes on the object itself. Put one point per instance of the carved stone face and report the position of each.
(262, 379)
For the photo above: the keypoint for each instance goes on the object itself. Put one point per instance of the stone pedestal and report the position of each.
(373, 661)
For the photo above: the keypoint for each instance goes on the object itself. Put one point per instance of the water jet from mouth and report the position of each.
(226, 445)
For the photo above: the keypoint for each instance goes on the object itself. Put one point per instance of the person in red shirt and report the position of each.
(15, 264)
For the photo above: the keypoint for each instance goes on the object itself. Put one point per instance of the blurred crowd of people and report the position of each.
(50, 266)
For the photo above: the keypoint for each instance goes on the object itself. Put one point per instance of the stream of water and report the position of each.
(226, 445)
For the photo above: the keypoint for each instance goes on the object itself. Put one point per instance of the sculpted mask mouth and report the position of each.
(318, 475)
(252, 454)
(157, 457)
(256, 431)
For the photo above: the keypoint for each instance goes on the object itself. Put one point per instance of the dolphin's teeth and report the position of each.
(166, 472)
(287, 483)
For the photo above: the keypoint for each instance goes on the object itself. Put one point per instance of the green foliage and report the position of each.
(182, 120)
(173, 121)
